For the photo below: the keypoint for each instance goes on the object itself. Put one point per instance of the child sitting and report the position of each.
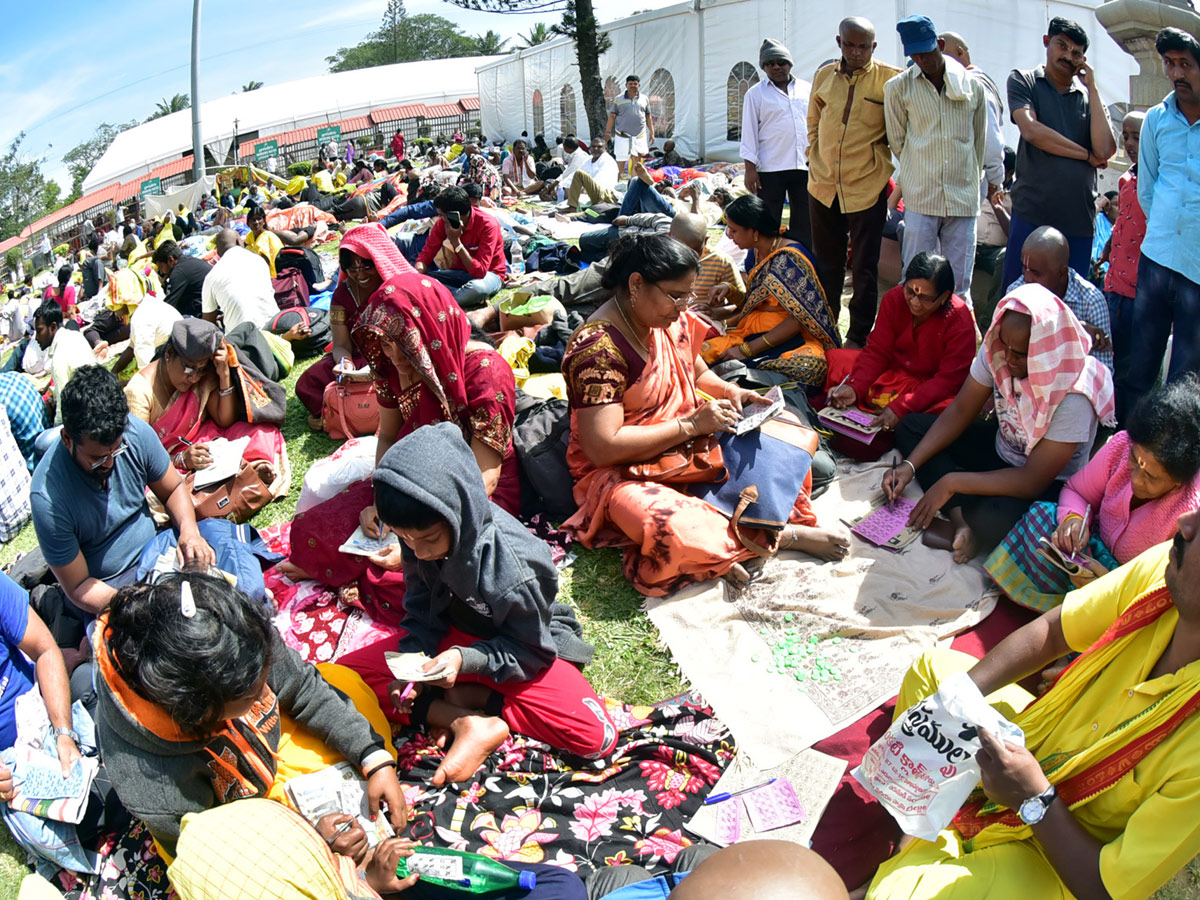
(480, 599)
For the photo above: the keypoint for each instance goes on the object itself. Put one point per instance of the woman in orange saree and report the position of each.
(634, 379)
(785, 323)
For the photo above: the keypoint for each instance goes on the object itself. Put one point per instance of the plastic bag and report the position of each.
(350, 463)
(923, 768)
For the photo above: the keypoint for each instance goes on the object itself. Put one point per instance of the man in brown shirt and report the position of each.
(849, 165)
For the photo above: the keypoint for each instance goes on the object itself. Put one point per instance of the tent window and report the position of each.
(539, 114)
(566, 110)
(662, 103)
(742, 77)
(610, 89)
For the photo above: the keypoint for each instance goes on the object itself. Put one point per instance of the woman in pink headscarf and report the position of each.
(367, 259)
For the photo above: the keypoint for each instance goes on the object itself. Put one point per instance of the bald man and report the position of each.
(239, 285)
(849, 165)
(762, 870)
(1046, 260)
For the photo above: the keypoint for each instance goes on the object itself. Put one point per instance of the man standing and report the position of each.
(630, 113)
(936, 117)
(775, 139)
(1065, 137)
(398, 145)
(1168, 278)
(94, 274)
(848, 170)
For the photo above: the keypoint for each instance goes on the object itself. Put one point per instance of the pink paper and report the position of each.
(884, 524)
(729, 822)
(857, 415)
(773, 806)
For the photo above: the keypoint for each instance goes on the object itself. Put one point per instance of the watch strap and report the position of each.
(67, 732)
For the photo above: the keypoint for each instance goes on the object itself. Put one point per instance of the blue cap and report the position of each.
(917, 34)
(527, 881)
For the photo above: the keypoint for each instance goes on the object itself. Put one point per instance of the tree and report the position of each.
(25, 196)
(538, 34)
(82, 158)
(251, 86)
(165, 107)
(579, 24)
(405, 38)
(489, 44)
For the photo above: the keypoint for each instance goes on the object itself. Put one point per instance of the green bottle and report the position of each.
(462, 871)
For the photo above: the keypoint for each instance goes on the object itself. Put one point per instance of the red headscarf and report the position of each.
(371, 242)
(420, 315)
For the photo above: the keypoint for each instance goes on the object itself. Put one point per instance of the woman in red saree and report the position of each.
(188, 397)
(427, 370)
(633, 376)
(375, 259)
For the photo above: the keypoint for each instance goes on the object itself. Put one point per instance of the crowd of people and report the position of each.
(1052, 445)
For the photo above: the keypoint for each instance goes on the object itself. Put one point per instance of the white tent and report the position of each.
(282, 107)
(696, 59)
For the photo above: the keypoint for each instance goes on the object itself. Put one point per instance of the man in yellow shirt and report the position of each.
(1105, 802)
(848, 169)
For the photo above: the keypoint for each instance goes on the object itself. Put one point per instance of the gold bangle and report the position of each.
(763, 338)
(745, 348)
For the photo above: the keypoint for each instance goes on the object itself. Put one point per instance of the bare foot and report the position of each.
(291, 571)
(737, 575)
(316, 424)
(828, 544)
(475, 737)
(964, 544)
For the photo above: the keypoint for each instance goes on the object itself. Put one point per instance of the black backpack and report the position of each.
(316, 319)
(541, 431)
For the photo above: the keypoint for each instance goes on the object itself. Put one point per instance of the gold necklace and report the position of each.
(632, 332)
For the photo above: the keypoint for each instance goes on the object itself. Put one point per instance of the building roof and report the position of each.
(283, 109)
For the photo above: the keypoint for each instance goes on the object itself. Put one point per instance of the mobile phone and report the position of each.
(454, 218)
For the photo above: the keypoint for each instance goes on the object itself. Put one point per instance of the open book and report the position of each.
(754, 416)
(358, 544)
(853, 423)
(337, 789)
(226, 460)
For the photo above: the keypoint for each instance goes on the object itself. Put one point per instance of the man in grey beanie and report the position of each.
(775, 139)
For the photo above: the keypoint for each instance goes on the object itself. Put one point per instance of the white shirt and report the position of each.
(574, 163)
(150, 328)
(519, 174)
(604, 170)
(68, 351)
(240, 286)
(775, 126)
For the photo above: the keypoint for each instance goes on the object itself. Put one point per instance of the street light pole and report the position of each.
(197, 144)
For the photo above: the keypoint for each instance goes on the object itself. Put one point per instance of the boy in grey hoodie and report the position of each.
(480, 600)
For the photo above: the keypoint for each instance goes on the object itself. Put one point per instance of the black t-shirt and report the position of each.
(185, 284)
(1049, 189)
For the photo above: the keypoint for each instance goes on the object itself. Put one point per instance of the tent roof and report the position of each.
(280, 107)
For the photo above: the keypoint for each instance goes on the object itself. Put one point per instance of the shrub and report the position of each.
(300, 168)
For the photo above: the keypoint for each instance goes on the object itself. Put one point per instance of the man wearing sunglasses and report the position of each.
(89, 494)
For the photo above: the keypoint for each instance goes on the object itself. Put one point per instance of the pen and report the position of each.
(706, 397)
(1087, 514)
(720, 798)
(892, 498)
(186, 442)
(407, 692)
(339, 831)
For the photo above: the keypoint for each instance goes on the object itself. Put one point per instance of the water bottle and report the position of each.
(462, 871)
(518, 260)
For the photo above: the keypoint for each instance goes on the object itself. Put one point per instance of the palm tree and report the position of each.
(489, 44)
(165, 107)
(251, 86)
(538, 34)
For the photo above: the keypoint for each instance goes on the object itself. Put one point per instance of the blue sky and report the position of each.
(68, 66)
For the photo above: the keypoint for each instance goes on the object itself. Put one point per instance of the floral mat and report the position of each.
(527, 803)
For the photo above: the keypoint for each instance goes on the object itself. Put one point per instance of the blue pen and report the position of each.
(722, 797)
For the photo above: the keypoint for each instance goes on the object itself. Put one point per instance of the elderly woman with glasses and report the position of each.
(190, 397)
(638, 388)
(917, 355)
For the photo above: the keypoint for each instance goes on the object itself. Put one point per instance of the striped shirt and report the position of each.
(717, 268)
(940, 139)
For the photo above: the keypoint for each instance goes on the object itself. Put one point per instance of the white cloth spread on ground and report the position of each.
(885, 607)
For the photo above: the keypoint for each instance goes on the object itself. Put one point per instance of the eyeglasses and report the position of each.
(191, 369)
(110, 456)
(677, 299)
(914, 294)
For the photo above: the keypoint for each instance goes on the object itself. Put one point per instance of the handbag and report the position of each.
(695, 460)
(765, 473)
(350, 409)
(237, 498)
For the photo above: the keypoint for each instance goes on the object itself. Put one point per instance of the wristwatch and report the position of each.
(67, 732)
(1034, 809)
